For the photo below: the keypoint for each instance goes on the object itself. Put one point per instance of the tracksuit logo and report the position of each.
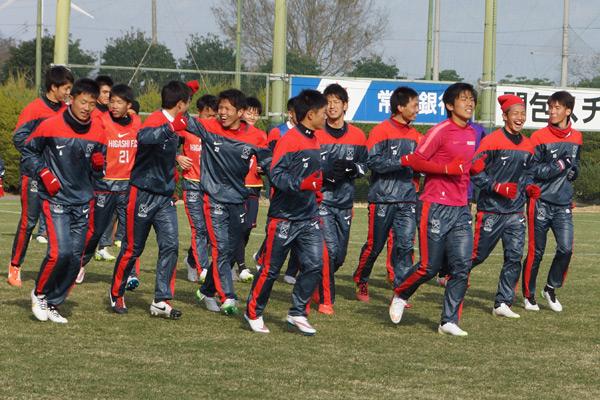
(350, 153)
(144, 209)
(218, 209)
(488, 225)
(381, 211)
(246, 151)
(58, 209)
(541, 214)
(322, 210)
(284, 230)
(192, 196)
(101, 200)
(435, 226)
(216, 147)
(33, 187)
(88, 149)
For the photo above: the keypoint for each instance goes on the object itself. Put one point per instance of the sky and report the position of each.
(529, 32)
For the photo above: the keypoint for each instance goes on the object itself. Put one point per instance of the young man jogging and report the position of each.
(120, 128)
(293, 222)
(555, 167)
(504, 186)
(64, 152)
(444, 154)
(228, 145)
(150, 202)
(343, 150)
(58, 84)
(392, 195)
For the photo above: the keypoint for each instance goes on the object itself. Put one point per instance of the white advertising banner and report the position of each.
(586, 115)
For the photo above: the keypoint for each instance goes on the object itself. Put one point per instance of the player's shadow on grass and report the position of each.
(25, 303)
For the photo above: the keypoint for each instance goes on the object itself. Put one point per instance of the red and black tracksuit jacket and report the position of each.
(555, 167)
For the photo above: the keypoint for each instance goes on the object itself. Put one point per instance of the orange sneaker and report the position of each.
(326, 309)
(14, 276)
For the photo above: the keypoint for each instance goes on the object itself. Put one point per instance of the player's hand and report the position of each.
(533, 191)
(455, 167)
(184, 162)
(193, 85)
(478, 165)
(179, 123)
(313, 182)
(506, 189)
(1, 188)
(573, 173)
(97, 161)
(50, 181)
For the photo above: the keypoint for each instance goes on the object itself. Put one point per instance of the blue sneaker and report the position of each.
(132, 283)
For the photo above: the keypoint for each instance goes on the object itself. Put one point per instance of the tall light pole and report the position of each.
(564, 70)
(436, 39)
(154, 24)
(279, 55)
(61, 37)
(38, 46)
(429, 41)
(488, 77)
(238, 47)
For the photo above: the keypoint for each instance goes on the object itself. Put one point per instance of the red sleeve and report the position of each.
(430, 143)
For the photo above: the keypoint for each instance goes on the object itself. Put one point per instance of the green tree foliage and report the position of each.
(590, 83)
(523, 80)
(373, 67)
(21, 59)
(208, 52)
(450, 75)
(129, 50)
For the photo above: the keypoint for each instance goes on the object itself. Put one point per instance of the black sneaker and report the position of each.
(117, 303)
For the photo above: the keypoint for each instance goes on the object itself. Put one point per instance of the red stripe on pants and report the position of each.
(365, 255)
(48, 267)
(21, 239)
(262, 277)
(388, 262)
(130, 242)
(326, 277)
(479, 220)
(530, 246)
(215, 250)
(423, 250)
(193, 231)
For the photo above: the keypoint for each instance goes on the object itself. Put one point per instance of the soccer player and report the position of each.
(150, 202)
(64, 152)
(254, 184)
(228, 145)
(105, 83)
(110, 191)
(207, 106)
(293, 216)
(444, 154)
(196, 261)
(343, 150)
(58, 84)
(556, 166)
(392, 195)
(503, 187)
(1, 177)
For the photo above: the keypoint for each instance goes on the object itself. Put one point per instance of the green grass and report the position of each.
(357, 353)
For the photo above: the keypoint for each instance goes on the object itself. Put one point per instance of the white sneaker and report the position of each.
(41, 239)
(54, 316)
(246, 275)
(301, 323)
(80, 276)
(531, 305)
(164, 309)
(118, 243)
(553, 302)
(257, 325)
(202, 277)
(104, 255)
(39, 307)
(396, 309)
(192, 272)
(210, 302)
(229, 307)
(504, 311)
(290, 280)
(450, 328)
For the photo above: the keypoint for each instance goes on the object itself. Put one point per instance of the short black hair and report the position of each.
(104, 80)
(58, 76)
(253, 102)
(123, 91)
(454, 90)
(135, 106)
(563, 98)
(208, 100)
(174, 92)
(87, 86)
(290, 103)
(336, 90)
(307, 100)
(236, 97)
(400, 97)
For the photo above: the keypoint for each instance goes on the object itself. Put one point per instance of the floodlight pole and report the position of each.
(279, 55)
(488, 77)
(61, 36)
(38, 47)
(238, 47)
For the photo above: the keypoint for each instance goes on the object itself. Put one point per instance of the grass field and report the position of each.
(357, 353)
